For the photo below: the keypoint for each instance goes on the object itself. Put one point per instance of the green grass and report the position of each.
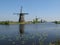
(7, 23)
(11, 22)
(4, 23)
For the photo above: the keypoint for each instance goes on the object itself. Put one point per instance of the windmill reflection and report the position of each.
(21, 28)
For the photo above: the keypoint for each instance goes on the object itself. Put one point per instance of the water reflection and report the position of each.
(21, 28)
(31, 34)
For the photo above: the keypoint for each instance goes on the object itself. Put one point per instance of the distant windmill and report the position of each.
(36, 18)
(21, 15)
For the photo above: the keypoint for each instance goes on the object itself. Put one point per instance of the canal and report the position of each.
(29, 34)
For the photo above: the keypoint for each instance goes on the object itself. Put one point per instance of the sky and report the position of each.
(48, 10)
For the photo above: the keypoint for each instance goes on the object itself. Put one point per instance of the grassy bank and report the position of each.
(8, 23)
(4, 23)
(11, 22)
(56, 22)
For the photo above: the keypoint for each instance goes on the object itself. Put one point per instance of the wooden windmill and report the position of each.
(21, 16)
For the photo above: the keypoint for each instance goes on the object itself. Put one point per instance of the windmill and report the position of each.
(36, 19)
(21, 16)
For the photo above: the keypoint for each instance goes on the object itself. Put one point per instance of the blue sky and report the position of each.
(44, 9)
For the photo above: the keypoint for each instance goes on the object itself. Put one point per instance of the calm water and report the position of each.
(29, 34)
